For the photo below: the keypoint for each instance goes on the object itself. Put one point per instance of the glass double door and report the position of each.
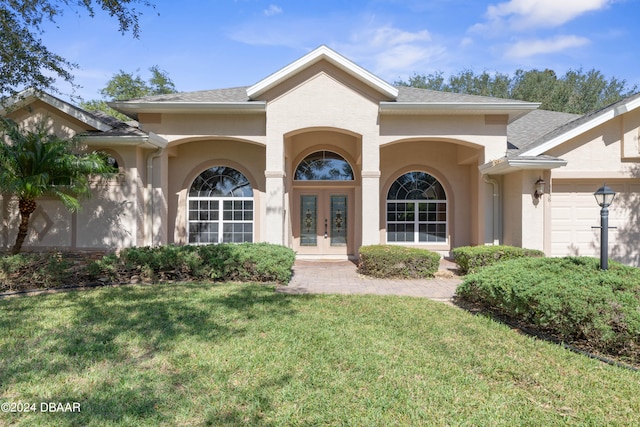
(323, 222)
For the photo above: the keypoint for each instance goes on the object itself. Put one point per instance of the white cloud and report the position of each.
(386, 50)
(272, 10)
(527, 48)
(525, 14)
(389, 36)
(391, 52)
(466, 41)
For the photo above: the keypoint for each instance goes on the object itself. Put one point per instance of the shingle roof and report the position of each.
(556, 127)
(118, 127)
(234, 94)
(239, 94)
(412, 94)
(534, 125)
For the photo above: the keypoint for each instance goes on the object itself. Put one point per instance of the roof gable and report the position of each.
(581, 125)
(323, 53)
(29, 96)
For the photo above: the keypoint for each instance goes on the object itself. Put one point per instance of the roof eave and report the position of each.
(505, 165)
(144, 141)
(132, 109)
(27, 96)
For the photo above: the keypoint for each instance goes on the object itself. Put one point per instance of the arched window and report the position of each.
(220, 207)
(323, 166)
(416, 210)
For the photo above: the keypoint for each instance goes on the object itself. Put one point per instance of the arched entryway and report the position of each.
(323, 220)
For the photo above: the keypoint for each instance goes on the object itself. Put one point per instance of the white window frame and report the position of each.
(239, 216)
(416, 222)
(221, 221)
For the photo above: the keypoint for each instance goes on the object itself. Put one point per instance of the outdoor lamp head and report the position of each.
(604, 196)
(539, 185)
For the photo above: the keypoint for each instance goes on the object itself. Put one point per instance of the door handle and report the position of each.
(326, 228)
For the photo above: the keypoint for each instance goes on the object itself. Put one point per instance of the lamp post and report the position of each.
(604, 196)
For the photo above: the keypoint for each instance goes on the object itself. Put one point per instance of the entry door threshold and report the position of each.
(326, 257)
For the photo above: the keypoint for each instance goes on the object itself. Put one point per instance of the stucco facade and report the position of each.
(324, 157)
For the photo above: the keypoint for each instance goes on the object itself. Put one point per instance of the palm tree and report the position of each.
(37, 163)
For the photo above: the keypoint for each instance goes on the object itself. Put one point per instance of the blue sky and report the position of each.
(226, 43)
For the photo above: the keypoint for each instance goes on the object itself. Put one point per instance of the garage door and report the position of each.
(574, 212)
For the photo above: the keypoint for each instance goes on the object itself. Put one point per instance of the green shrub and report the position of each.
(249, 262)
(569, 297)
(259, 262)
(471, 258)
(256, 262)
(161, 262)
(397, 261)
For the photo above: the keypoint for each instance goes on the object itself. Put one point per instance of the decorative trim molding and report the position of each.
(274, 174)
(370, 174)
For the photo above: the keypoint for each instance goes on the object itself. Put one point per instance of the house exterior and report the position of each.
(324, 157)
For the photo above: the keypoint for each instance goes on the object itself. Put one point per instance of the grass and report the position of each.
(237, 354)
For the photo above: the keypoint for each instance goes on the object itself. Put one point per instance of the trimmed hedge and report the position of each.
(249, 262)
(570, 298)
(472, 258)
(385, 261)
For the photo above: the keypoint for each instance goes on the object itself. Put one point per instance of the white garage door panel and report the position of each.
(587, 214)
(562, 214)
(574, 212)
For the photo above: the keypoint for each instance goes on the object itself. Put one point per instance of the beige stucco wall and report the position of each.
(180, 127)
(109, 219)
(607, 153)
(191, 158)
(524, 215)
(476, 138)
(326, 98)
(441, 160)
(321, 98)
(599, 152)
(320, 108)
(475, 131)
(38, 112)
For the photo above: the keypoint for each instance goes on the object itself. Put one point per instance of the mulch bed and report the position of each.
(579, 346)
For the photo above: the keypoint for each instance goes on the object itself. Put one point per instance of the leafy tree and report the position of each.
(434, 81)
(576, 92)
(25, 61)
(484, 84)
(125, 85)
(36, 163)
(160, 83)
(540, 86)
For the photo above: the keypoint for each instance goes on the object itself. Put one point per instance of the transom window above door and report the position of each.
(323, 166)
(417, 210)
(220, 207)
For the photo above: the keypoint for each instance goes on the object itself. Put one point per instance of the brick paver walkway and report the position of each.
(341, 277)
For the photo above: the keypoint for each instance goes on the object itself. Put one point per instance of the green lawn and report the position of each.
(244, 355)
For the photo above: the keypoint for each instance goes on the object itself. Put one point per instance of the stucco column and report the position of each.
(274, 188)
(157, 189)
(370, 193)
(370, 208)
(274, 206)
(533, 212)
